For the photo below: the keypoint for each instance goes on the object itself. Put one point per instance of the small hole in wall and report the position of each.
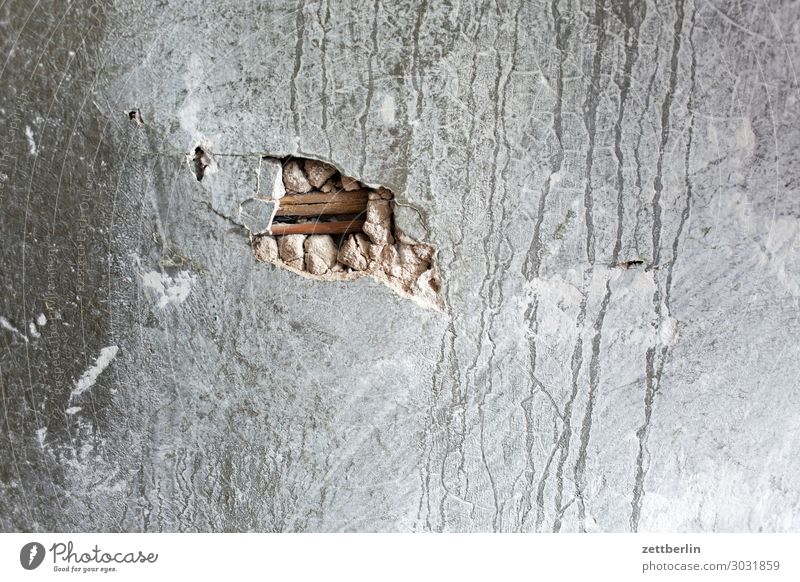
(200, 162)
(135, 115)
(631, 264)
(329, 226)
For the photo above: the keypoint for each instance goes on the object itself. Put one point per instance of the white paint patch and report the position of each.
(192, 105)
(5, 324)
(449, 73)
(780, 250)
(41, 320)
(31, 142)
(169, 290)
(561, 299)
(387, 109)
(746, 137)
(73, 409)
(41, 434)
(90, 376)
(33, 331)
(668, 331)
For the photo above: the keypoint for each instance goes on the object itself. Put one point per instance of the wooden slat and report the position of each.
(343, 227)
(323, 209)
(322, 197)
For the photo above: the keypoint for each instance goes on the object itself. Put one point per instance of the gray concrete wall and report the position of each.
(612, 187)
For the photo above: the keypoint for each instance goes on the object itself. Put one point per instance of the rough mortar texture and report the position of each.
(612, 190)
(320, 253)
(291, 249)
(378, 226)
(318, 172)
(294, 179)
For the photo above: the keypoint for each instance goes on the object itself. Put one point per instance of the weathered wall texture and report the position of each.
(613, 190)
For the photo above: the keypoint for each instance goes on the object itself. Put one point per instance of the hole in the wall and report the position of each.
(329, 226)
(135, 115)
(631, 264)
(200, 161)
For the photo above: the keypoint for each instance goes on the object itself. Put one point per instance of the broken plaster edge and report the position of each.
(342, 276)
(397, 200)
